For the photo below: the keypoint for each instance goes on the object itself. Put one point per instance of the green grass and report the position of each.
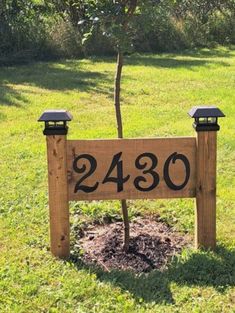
(157, 92)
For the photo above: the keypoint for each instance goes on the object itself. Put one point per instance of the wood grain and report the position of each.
(104, 150)
(205, 232)
(58, 195)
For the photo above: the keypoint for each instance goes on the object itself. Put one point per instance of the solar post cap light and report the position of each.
(55, 122)
(109, 169)
(205, 118)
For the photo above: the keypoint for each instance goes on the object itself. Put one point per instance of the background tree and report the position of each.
(23, 29)
(48, 29)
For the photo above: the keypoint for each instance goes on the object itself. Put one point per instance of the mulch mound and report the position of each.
(152, 245)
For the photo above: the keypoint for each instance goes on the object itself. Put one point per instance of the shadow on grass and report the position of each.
(2, 116)
(195, 268)
(63, 76)
(210, 53)
(169, 60)
(172, 62)
(73, 75)
(10, 96)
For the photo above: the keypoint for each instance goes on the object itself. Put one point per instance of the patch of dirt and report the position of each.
(152, 245)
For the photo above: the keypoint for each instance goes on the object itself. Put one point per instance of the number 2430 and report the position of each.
(119, 179)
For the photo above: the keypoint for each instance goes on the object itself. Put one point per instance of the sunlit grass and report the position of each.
(157, 93)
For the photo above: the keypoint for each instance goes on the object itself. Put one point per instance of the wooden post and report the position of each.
(205, 216)
(58, 195)
(56, 131)
(205, 226)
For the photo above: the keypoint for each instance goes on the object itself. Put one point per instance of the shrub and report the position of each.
(41, 30)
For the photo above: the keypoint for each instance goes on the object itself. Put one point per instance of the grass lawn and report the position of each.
(157, 92)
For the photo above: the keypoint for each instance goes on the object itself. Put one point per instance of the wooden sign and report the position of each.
(131, 168)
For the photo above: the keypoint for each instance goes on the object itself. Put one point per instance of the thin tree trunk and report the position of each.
(126, 226)
(117, 89)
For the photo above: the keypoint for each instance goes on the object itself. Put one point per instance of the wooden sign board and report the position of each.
(154, 168)
(131, 168)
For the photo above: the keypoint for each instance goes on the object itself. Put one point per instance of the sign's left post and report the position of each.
(56, 130)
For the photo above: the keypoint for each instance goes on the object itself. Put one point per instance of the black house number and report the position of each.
(146, 171)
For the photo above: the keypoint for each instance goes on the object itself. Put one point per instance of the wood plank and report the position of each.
(205, 224)
(58, 195)
(104, 150)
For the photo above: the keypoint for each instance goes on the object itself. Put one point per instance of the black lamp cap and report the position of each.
(55, 116)
(53, 119)
(205, 111)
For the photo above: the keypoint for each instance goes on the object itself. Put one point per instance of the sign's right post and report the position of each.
(206, 126)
